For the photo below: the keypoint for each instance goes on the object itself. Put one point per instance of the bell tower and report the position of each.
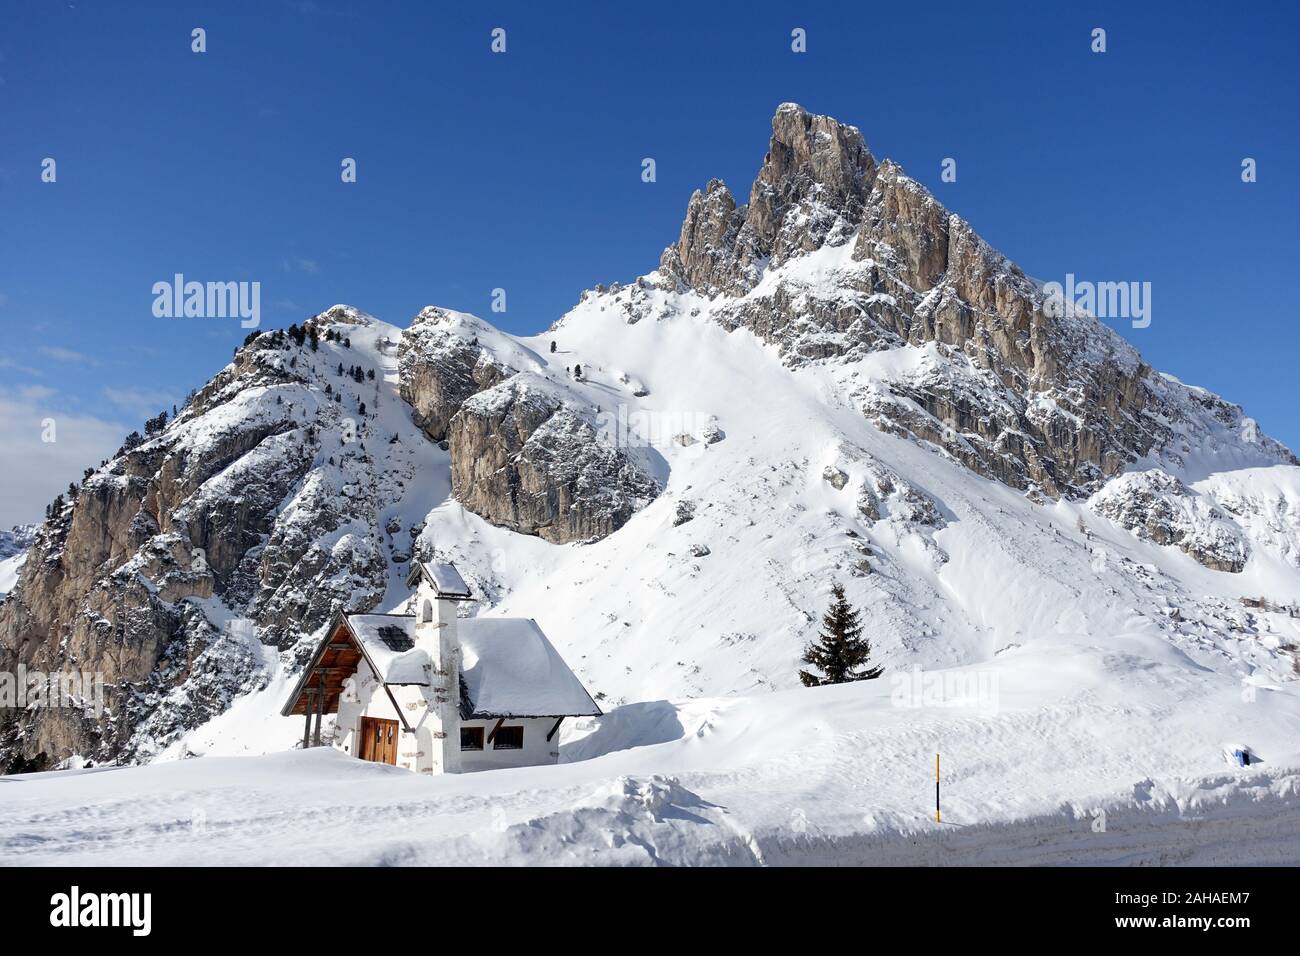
(438, 589)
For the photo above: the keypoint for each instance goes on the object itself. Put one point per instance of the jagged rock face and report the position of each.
(1156, 506)
(522, 455)
(524, 459)
(704, 257)
(837, 257)
(814, 179)
(440, 368)
(227, 501)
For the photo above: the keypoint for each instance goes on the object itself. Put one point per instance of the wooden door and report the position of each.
(378, 740)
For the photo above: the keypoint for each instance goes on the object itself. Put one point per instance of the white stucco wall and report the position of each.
(424, 751)
(537, 749)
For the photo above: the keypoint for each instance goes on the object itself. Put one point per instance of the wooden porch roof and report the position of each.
(335, 660)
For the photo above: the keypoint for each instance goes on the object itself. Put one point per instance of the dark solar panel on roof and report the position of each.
(396, 638)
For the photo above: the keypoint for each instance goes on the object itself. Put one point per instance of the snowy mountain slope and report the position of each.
(9, 568)
(16, 540)
(837, 381)
(13, 552)
(954, 571)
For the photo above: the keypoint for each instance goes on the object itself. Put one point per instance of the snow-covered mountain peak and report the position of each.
(839, 259)
(838, 380)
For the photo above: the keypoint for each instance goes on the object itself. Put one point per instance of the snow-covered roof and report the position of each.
(446, 580)
(389, 644)
(509, 669)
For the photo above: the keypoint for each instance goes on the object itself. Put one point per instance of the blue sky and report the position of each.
(522, 171)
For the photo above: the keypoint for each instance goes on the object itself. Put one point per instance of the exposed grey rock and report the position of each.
(1156, 506)
(868, 504)
(836, 478)
(809, 191)
(526, 460)
(441, 365)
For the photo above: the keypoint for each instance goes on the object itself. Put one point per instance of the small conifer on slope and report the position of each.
(842, 654)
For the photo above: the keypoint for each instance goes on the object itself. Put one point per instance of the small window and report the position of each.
(508, 738)
(471, 738)
(426, 612)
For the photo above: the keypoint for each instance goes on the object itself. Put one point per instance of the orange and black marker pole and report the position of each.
(937, 818)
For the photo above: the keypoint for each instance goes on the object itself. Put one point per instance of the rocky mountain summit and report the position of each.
(836, 378)
(838, 256)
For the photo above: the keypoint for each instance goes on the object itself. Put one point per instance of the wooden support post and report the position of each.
(494, 730)
(320, 710)
(558, 721)
(306, 725)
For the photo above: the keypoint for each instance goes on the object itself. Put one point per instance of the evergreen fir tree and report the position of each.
(843, 654)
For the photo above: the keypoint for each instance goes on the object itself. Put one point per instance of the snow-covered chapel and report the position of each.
(435, 693)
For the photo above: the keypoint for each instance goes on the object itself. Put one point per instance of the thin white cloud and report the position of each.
(60, 354)
(300, 264)
(36, 469)
(10, 363)
(35, 393)
(141, 403)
